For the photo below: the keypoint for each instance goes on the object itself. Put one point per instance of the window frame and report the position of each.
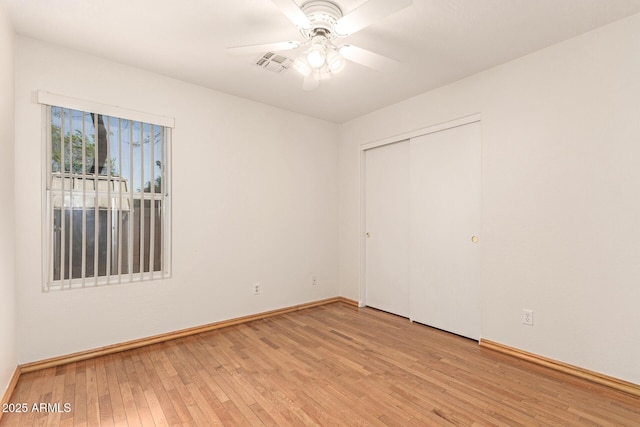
(48, 101)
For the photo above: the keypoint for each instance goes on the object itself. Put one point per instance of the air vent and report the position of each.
(274, 62)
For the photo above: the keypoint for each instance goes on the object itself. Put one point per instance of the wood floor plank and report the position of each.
(119, 414)
(93, 403)
(104, 398)
(130, 410)
(55, 412)
(202, 411)
(327, 365)
(135, 385)
(80, 396)
(157, 397)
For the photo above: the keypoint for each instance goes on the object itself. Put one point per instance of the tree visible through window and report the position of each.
(107, 198)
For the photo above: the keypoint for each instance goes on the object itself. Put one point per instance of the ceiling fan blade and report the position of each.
(367, 14)
(310, 83)
(261, 48)
(367, 58)
(294, 13)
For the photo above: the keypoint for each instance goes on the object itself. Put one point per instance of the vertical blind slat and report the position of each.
(120, 201)
(152, 190)
(84, 201)
(131, 205)
(61, 196)
(50, 204)
(71, 192)
(142, 200)
(96, 203)
(163, 198)
(109, 204)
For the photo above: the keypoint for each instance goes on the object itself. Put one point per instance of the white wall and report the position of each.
(8, 352)
(561, 198)
(255, 198)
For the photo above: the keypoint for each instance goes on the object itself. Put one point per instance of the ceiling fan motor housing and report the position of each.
(323, 15)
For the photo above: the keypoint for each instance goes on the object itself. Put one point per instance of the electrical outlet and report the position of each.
(256, 288)
(527, 317)
(314, 280)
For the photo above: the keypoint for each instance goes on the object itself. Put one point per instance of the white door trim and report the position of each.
(423, 131)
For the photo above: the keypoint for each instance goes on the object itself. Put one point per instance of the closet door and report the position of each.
(445, 226)
(387, 226)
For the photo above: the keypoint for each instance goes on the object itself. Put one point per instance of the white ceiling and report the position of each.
(436, 42)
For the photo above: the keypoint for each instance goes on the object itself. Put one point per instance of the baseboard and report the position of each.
(128, 345)
(615, 383)
(348, 301)
(6, 397)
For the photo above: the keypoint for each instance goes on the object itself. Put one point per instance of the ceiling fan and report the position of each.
(321, 22)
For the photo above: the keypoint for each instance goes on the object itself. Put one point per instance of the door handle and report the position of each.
(475, 239)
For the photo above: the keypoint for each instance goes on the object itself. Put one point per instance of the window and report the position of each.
(107, 199)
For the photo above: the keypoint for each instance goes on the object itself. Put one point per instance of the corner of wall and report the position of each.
(8, 302)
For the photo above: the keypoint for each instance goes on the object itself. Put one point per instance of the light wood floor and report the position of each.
(329, 365)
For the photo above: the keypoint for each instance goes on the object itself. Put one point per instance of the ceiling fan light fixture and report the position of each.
(302, 66)
(316, 55)
(335, 61)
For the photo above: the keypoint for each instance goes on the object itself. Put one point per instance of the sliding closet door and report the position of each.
(387, 225)
(445, 227)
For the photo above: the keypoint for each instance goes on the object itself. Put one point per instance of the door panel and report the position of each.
(387, 225)
(444, 216)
